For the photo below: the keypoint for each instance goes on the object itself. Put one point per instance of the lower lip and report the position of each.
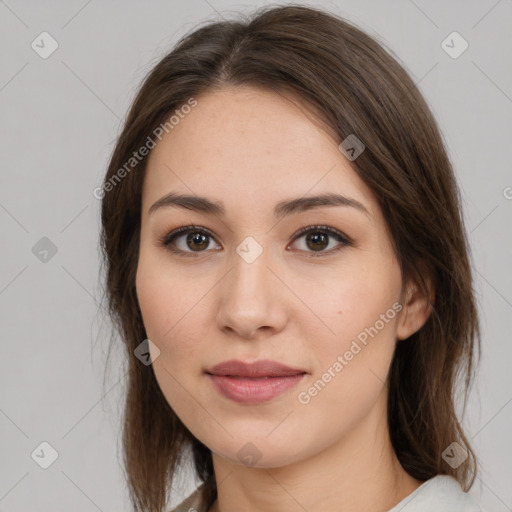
(253, 391)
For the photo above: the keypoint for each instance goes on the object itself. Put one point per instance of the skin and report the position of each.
(249, 149)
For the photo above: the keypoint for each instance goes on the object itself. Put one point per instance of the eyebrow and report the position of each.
(282, 209)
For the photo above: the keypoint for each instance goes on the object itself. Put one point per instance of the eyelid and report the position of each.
(322, 227)
(343, 239)
(169, 237)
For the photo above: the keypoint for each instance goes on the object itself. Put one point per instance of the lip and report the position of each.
(255, 382)
(253, 390)
(256, 369)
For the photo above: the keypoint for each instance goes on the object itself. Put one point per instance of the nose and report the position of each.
(252, 300)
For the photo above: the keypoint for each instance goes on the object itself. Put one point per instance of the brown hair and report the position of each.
(357, 87)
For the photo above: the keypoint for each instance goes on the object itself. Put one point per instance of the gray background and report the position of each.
(60, 117)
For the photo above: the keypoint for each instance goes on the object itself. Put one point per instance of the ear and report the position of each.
(416, 307)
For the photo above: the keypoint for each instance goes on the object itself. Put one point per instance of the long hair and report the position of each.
(355, 86)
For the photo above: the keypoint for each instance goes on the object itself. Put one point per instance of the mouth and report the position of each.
(252, 383)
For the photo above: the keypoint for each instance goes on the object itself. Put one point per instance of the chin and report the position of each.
(257, 453)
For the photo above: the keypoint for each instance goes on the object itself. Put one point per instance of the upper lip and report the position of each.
(262, 368)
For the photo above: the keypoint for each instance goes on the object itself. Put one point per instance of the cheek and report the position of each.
(154, 304)
(168, 318)
(168, 307)
(359, 307)
(352, 299)
(353, 356)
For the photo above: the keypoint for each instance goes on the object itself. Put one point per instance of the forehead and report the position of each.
(250, 145)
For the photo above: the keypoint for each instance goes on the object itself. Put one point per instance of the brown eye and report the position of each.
(317, 241)
(318, 238)
(187, 240)
(198, 240)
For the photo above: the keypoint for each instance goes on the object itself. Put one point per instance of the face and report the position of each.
(244, 284)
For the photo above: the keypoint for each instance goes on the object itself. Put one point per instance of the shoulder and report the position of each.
(441, 493)
(192, 503)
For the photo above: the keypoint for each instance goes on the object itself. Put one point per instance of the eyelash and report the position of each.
(166, 240)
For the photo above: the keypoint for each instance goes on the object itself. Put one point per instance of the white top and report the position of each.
(441, 493)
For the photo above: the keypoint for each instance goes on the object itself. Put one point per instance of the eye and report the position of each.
(317, 238)
(198, 239)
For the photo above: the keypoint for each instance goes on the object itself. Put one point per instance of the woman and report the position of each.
(287, 263)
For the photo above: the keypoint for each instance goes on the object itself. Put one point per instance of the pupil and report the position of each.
(316, 238)
(197, 237)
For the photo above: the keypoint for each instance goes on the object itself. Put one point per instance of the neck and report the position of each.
(360, 471)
